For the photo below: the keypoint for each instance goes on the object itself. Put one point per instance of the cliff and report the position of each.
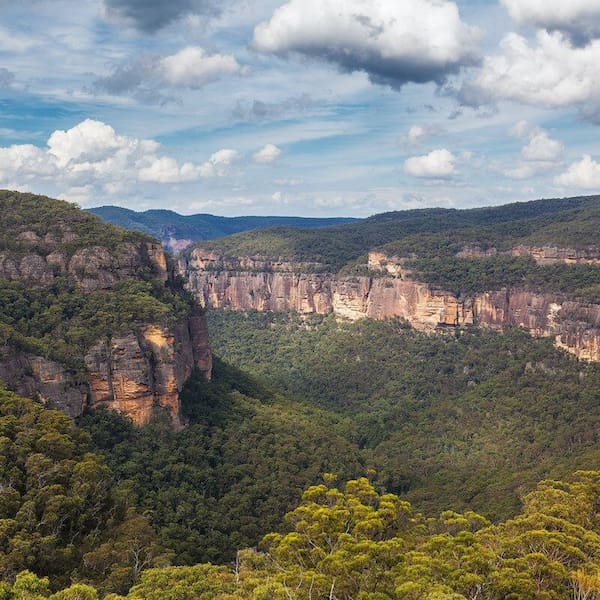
(387, 292)
(92, 314)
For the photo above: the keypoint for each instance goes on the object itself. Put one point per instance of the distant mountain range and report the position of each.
(178, 231)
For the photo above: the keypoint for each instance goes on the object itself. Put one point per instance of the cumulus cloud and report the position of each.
(151, 15)
(391, 41)
(166, 170)
(415, 134)
(541, 148)
(193, 68)
(92, 155)
(419, 133)
(580, 19)
(438, 164)
(553, 73)
(267, 155)
(218, 164)
(582, 174)
(148, 77)
(540, 154)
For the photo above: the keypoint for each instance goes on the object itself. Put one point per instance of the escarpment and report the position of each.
(389, 290)
(92, 315)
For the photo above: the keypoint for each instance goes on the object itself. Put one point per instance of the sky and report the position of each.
(300, 107)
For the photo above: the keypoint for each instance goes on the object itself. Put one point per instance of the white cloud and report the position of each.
(93, 154)
(166, 170)
(389, 40)
(192, 67)
(437, 164)
(521, 129)
(24, 161)
(415, 134)
(93, 145)
(578, 18)
(540, 154)
(582, 174)
(522, 171)
(267, 155)
(147, 78)
(218, 164)
(552, 74)
(542, 148)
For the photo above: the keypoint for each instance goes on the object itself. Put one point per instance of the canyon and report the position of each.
(389, 291)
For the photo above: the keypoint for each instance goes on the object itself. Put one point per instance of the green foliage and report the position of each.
(166, 224)
(428, 233)
(232, 474)
(467, 420)
(53, 316)
(61, 322)
(469, 276)
(58, 504)
(55, 221)
(355, 543)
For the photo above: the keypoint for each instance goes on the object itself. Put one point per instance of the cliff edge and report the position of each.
(389, 289)
(91, 314)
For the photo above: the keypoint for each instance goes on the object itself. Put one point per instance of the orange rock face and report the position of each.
(140, 372)
(223, 283)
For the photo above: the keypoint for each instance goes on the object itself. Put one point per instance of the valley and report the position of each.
(407, 409)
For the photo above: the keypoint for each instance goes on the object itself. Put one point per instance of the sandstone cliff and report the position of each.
(140, 367)
(388, 293)
(146, 369)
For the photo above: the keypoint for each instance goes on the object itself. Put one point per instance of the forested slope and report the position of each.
(427, 232)
(176, 231)
(469, 420)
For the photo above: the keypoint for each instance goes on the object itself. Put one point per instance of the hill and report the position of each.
(426, 233)
(177, 231)
(84, 304)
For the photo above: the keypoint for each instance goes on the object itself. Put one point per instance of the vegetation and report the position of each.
(428, 233)
(166, 224)
(233, 473)
(58, 225)
(469, 276)
(61, 514)
(57, 317)
(468, 420)
(461, 426)
(61, 322)
(356, 543)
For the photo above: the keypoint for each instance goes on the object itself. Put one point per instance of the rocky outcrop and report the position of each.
(389, 292)
(91, 268)
(351, 297)
(543, 255)
(137, 368)
(35, 376)
(138, 372)
(134, 373)
(552, 255)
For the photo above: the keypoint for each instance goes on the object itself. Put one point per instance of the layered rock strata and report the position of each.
(91, 268)
(390, 293)
(134, 373)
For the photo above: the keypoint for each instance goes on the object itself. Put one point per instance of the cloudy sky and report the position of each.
(305, 107)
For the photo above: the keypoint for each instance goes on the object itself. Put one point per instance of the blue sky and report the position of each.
(304, 107)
